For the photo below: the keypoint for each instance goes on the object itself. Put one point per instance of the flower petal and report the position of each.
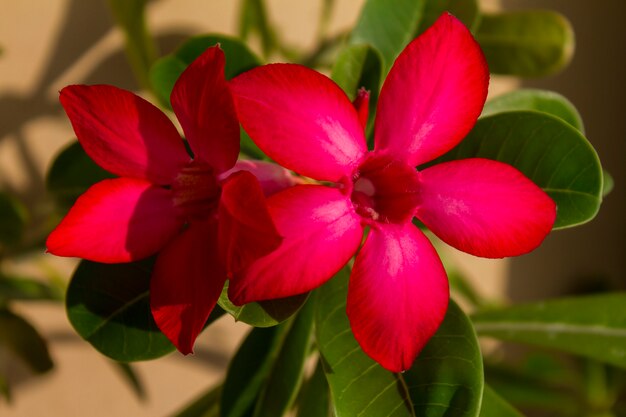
(123, 133)
(118, 220)
(246, 231)
(321, 232)
(398, 295)
(433, 94)
(301, 119)
(483, 207)
(204, 106)
(272, 177)
(186, 282)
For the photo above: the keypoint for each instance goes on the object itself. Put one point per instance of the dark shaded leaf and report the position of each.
(314, 400)
(206, 405)
(23, 340)
(132, 378)
(13, 216)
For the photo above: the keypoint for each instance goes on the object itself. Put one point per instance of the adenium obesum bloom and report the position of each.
(398, 290)
(205, 216)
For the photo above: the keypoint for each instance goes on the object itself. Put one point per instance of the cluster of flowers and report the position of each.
(274, 234)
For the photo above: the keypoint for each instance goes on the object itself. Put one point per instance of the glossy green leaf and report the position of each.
(20, 288)
(526, 43)
(388, 26)
(535, 100)
(358, 385)
(314, 400)
(550, 152)
(285, 377)
(166, 70)
(465, 10)
(495, 406)
(608, 183)
(72, 173)
(108, 305)
(249, 370)
(447, 376)
(206, 405)
(13, 218)
(591, 326)
(265, 313)
(131, 376)
(24, 342)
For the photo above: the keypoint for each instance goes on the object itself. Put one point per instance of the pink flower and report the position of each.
(203, 221)
(398, 291)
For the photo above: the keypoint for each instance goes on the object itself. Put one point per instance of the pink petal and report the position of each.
(321, 232)
(398, 295)
(301, 119)
(272, 177)
(246, 231)
(123, 133)
(118, 220)
(204, 106)
(186, 282)
(361, 104)
(433, 94)
(483, 207)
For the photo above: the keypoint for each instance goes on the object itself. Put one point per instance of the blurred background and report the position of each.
(47, 45)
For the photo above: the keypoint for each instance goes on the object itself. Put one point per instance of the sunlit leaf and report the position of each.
(592, 326)
(465, 10)
(446, 379)
(552, 153)
(284, 379)
(608, 183)
(24, 342)
(13, 216)
(527, 43)
(358, 385)
(388, 26)
(536, 100)
(71, 173)
(495, 406)
(265, 313)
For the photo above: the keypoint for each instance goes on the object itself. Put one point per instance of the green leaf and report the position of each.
(591, 326)
(550, 152)
(206, 405)
(166, 70)
(13, 216)
(388, 26)
(23, 341)
(108, 305)
(253, 18)
(358, 385)
(526, 43)
(131, 377)
(466, 11)
(495, 406)
(72, 173)
(608, 183)
(19, 288)
(447, 376)
(249, 369)
(285, 377)
(536, 100)
(265, 313)
(314, 398)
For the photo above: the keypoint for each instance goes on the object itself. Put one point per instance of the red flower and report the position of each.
(165, 201)
(398, 291)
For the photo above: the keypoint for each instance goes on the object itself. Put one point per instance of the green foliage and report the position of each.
(592, 326)
(23, 342)
(130, 375)
(526, 43)
(314, 399)
(206, 405)
(388, 26)
(495, 406)
(21, 288)
(465, 10)
(550, 152)
(253, 19)
(13, 217)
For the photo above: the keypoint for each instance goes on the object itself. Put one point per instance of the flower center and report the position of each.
(196, 191)
(385, 190)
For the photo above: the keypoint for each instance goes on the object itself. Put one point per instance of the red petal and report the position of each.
(204, 106)
(246, 230)
(483, 207)
(187, 281)
(123, 133)
(118, 220)
(398, 295)
(321, 233)
(433, 94)
(361, 103)
(272, 177)
(301, 119)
